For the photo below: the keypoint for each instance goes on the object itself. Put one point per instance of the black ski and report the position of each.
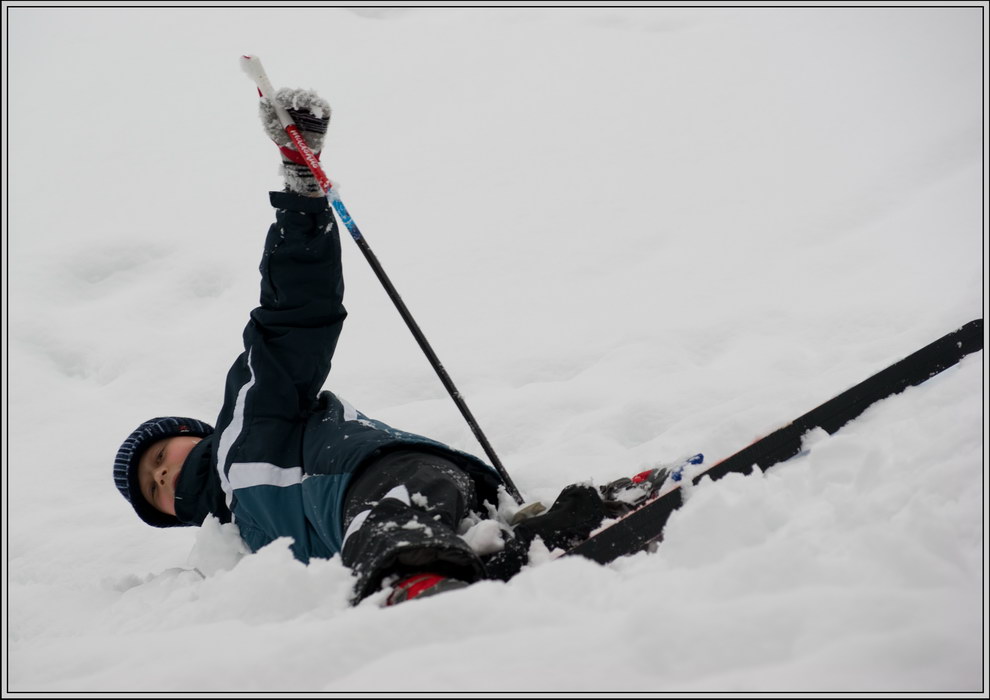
(644, 525)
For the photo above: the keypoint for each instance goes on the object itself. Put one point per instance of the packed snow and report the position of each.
(630, 234)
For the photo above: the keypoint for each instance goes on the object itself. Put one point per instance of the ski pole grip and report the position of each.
(252, 66)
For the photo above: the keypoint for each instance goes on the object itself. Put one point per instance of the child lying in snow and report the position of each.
(290, 460)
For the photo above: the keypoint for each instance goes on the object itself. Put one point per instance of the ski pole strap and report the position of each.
(309, 158)
(294, 156)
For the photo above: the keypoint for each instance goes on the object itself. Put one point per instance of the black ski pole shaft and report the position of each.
(427, 349)
(252, 66)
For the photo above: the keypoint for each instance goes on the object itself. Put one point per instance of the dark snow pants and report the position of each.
(401, 516)
(402, 512)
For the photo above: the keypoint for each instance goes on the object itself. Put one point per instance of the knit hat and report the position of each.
(129, 454)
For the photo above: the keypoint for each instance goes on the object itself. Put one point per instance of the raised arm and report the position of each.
(291, 336)
(293, 333)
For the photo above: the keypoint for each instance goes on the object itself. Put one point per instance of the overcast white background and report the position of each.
(630, 234)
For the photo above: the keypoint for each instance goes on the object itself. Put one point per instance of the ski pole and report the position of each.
(252, 66)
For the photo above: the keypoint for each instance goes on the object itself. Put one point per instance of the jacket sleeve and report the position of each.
(291, 336)
(294, 331)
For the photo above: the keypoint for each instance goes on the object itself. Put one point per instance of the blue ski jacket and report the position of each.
(284, 450)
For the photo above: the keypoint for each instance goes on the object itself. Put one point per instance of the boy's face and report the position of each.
(159, 468)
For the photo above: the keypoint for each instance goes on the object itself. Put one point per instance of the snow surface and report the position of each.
(630, 235)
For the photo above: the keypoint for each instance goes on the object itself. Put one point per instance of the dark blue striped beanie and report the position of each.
(125, 465)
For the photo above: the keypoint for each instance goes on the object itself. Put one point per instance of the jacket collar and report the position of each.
(198, 492)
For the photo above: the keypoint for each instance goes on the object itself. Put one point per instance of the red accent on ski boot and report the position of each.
(421, 585)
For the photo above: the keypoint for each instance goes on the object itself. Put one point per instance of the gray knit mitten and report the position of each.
(311, 113)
